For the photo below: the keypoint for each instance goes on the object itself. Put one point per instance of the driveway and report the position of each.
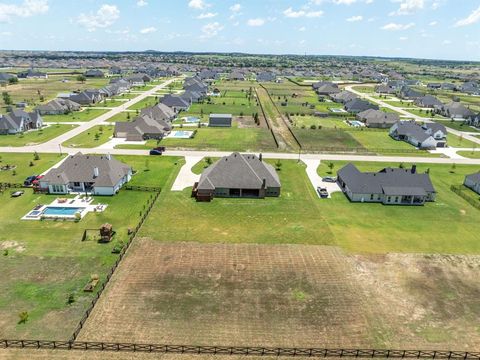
(186, 178)
(316, 180)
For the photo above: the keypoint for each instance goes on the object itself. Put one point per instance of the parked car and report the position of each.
(330, 179)
(323, 192)
(157, 151)
(37, 180)
(17, 193)
(29, 180)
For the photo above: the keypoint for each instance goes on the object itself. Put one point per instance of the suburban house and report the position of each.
(237, 76)
(220, 120)
(177, 103)
(142, 128)
(474, 121)
(159, 112)
(32, 74)
(343, 97)
(455, 110)
(408, 93)
(473, 182)
(390, 186)
(95, 174)
(18, 121)
(238, 176)
(58, 107)
(5, 77)
(356, 106)
(94, 73)
(428, 101)
(385, 89)
(426, 136)
(326, 88)
(377, 119)
(87, 97)
(266, 77)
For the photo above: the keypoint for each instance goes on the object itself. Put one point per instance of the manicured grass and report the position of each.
(421, 113)
(320, 139)
(123, 116)
(125, 96)
(300, 217)
(365, 89)
(459, 142)
(219, 108)
(149, 101)
(331, 122)
(35, 136)
(85, 115)
(470, 154)
(91, 138)
(459, 125)
(222, 139)
(110, 103)
(23, 164)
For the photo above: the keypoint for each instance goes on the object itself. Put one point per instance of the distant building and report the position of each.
(220, 120)
(58, 107)
(94, 74)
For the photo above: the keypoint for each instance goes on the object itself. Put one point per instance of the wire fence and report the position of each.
(465, 194)
(233, 350)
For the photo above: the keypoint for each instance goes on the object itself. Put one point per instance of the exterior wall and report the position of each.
(472, 185)
(53, 190)
(214, 122)
(105, 191)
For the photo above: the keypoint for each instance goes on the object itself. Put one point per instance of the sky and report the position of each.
(433, 29)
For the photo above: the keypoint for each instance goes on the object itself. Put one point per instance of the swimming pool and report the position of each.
(62, 211)
(191, 119)
(180, 134)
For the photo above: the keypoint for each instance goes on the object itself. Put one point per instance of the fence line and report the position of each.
(131, 237)
(266, 119)
(461, 191)
(233, 350)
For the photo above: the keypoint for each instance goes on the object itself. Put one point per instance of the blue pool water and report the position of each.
(181, 134)
(61, 211)
(191, 119)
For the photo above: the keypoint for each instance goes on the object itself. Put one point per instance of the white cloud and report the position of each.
(26, 9)
(210, 30)
(433, 23)
(397, 27)
(446, 42)
(355, 18)
(148, 30)
(470, 19)
(408, 7)
(256, 22)
(6, 33)
(208, 15)
(290, 13)
(103, 18)
(235, 8)
(344, 2)
(303, 28)
(198, 4)
(403, 38)
(141, 3)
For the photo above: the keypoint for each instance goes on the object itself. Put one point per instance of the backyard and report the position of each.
(85, 115)
(91, 138)
(35, 137)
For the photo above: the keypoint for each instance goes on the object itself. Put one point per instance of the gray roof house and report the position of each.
(385, 89)
(18, 121)
(428, 101)
(473, 182)
(327, 89)
(142, 128)
(94, 73)
(408, 93)
(343, 97)
(58, 107)
(159, 112)
(455, 110)
(356, 106)
(266, 77)
(238, 176)
(377, 119)
(177, 103)
(95, 174)
(220, 120)
(426, 136)
(390, 186)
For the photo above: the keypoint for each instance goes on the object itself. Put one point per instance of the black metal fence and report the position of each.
(156, 191)
(464, 193)
(233, 350)
(266, 120)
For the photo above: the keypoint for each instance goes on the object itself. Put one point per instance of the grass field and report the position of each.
(91, 138)
(226, 139)
(49, 261)
(149, 101)
(459, 125)
(85, 115)
(307, 121)
(320, 139)
(35, 136)
(123, 116)
(470, 154)
(460, 142)
(23, 164)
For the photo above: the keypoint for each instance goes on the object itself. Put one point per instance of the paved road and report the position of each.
(406, 113)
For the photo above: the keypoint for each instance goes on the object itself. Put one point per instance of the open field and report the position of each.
(123, 116)
(85, 115)
(35, 137)
(23, 168)
(91, 138)
(41, 270)
(470, 154)
(228, 139)
(147, 102)
(307, 121)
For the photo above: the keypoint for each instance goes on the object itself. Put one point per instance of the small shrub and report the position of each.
(23, 317)
(70, 299)
(313, 127)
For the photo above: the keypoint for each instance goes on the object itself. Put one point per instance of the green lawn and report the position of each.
(26, 165)
(324, 139)
(459, 125)
(149, 101)
(85, 115)
(470, 154)
(35, 136)
(123, 116)
(331, 122)
(237, 109)
(222, 139)
(91, 138)
(49, 261)
(459, 142)
(300, 217)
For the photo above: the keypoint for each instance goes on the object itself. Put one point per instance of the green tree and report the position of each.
(81, 78)
(278, 165)
(6, 98)
(23, 317)
(331, 166)
(13, 80)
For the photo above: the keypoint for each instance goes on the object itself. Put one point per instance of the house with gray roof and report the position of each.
(159, 112)
(408, 93)
(144, 127)
(472, 181)
(177, 103)
(357, 105)
(266, 76)
(428, 101)
(390, 186)
(426, 136)
(385, 89)
(377, 118)
(58, 107)
(94, 174)
(94, 73)
(327, 88)
(238, 176)
(455, 110)
(343, 97)
(18, 121)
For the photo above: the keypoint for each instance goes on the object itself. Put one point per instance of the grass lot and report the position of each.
(110, 103)
(459, 142)
(222, 139)
(85, 115)
(149, 101)
(23, 168)
(123, 116)
(320, 139)
(459, 125)
(35, 136)
(470, 154)
(307, 121)
(298, 216)
(49, 260)
(421, 113)
(91, 138)
(234, 109)
(125, 96)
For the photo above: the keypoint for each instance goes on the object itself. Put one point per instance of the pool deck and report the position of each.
(78, 201)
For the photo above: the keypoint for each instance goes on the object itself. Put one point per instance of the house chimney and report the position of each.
(414, 169)
(96, 172)
(264, 184)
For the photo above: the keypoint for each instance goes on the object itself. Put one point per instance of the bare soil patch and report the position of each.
(243, 295)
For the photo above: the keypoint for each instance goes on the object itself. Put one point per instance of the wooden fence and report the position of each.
(156, 191)
(266, 120)
(233, 350)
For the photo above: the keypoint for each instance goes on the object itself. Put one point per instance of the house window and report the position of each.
(371, 197)
(396, 199)
(76, 184)
(389, 199)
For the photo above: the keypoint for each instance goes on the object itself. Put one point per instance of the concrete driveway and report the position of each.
(186, 178)
(316, 180)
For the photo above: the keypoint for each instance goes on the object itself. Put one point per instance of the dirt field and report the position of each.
(243, 295)
(289, 295)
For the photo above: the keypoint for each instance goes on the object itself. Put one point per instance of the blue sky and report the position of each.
(442, 29)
